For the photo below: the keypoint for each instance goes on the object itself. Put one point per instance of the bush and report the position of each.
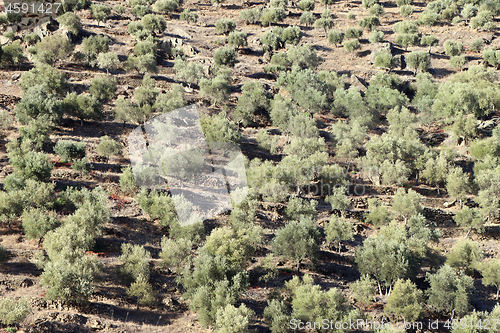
(369, 3)
(32, 165)
(335, 37)
(406, 10)
(38, 221)
(298, 207)
(175, 251)
(307, 18)
(135, 261)
(12, 54)
(338, 230)
(13, 311)
(100, 12)
(154, 23)
(305, 5)
(449, 291)
(458, 61)
(369, 23)
(376, 10)
(142, 64)
(190, 72)
(325, 23)
(292, 35)
(225, 26)
(143, 290)
(353, 32)
(384, 59)
(233, 320)
(253, 99)
(83, 106)
(405, 300)
(141, 11)
(490, 270)
(407, 204)
(364, 290)
(225, 56)
(465, 255)
(189, 16)
(70, 150)
(406, 40)
(276, 314)
(127, 181)
(171, 100)
(31, 39)
(429, 18)
(418, 60)
(52, 49)
(94, 45)
(119, 9)
(38, 103)
(297, 240)
(237, 39)
(146, 47)
(108, 147)
(453, 47)
(351, 45)
(429, 40)
(477, 45)
(108, 61)
(82, 166)
(103, 88)
(457, 184)
(70, 22)
(165, 6)
(50, 78)
(251, 16)
(272, 40)
(376, 36)
(377, 215)
(405, 27)
(217, 89)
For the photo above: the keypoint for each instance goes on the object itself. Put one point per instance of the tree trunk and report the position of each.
(498, 292)
(339, 247)
(379, 289)
(468, 232)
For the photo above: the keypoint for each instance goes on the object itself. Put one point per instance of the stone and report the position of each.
(399, 61)
(4, 40)
(356, 81)
(15, 77)
(189, 50)
(182, 33)
(449, 204)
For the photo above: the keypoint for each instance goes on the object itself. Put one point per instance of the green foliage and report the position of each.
(83, 106)
(94, 45)
(458, 61)
(108, 61)
(272, 15)
(303, 56)
(469, 218)
(297, 240)
(218, 129)
(491, 56)
(325, 22)
(483, 20)
(165, 6)
(298, 207)
(38, 221)
(465, 255)
(135, 261)
(38, 103)
(119, 9)
(406, 10)
(429, 18)
(364, 290)
(82, 166)
(307, 18)
(108, 147)
(406, 40)
(12, 54)
(143, 64)
(175, 251)
(52, 49)
(376, 36)
(188, 16)
(103, 87)
(292, 35)
(252, 100)
(70, 150)
(50, 78)
(225, 56)
(190, 72)
(70, 22)
(237, 39)
(429, 40)
(31, 39)
(377, 215)
(305, 5)
(276, 314)
(127, 181)
(251, 16)
(233, 320)
(405, 300)
(407, 204)
(405, 27)
(419, 60)
(353, 32)
(31, 165)
(272, 39)
(370, 22)
(217, 89)
(376, 10)
(225, 26)
(369, 3)
(351, 45)
(338, 230)
(14, 311)
(449, 291)
(100, 12)
(457, 183)
(143, 290)
(335, 37)
(453, 47)
(384, 59)
(477, 45)
(490, 270)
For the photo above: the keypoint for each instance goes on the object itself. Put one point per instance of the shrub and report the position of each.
(325, 23)
(165, 6)
(277, 315)
(142, 64)
(292, 35)
(477, 45)
(384, 59)
(94, 45)
(405, 27)
(253, 99)
(272, 40)
(146, 47)
(119, 9)
(297, 240)
(233, 320)
(364, 290)
(376, 36)
(465, 255)
(190, 72)
(13, 311)
(70, 150)
(449, 291)
(378, 215)
(251, 16)
(38, 103)
(298, 207)
(52, 49)
(108, 61)
(31, 39)
(171, 100)
(406, 40)
(453, 47)
(305, 5)
(419, 60)
(376, 10)
(141, 11)
(154, 23)
(38, 221)
(225, 26)
(84, 106)
(70, 22)
(407, 204)
(351, 45)
(175, 251)
(50, 78)
(217, 89)
(303, 56)
(353, 32)
(237, 39)
(369, 23)
(12, 54)
(135, 261)
(369, 3)
(307, 18)
(127, 181)
(82, 166)
(458, 61)
(490, 270)
(108, 147)
(103, 88)
(32, 165)
(429, 18)
(457, 184)
(405, 300)
(143, 290)
(406, 10)
(189, 16)
(100, 12)
(338, 230)
(429, 40)
(335, 37)
(225, 56)
(272, 15)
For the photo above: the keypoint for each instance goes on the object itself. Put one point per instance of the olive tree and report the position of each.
(100, 12)
(405, 300)
(418, 60)
(338, 230)
(490, 270)
(108, 147)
